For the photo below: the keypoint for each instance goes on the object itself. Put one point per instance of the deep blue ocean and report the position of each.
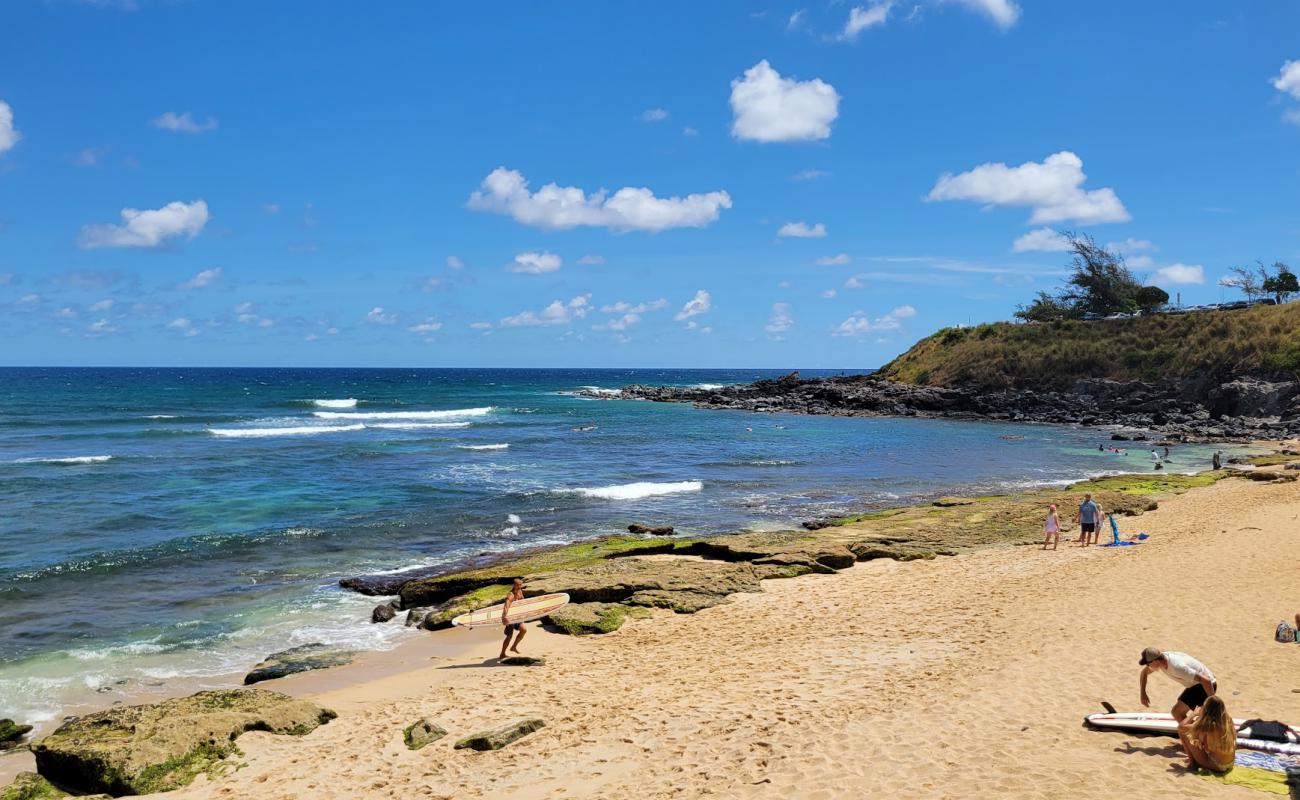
(178, 523)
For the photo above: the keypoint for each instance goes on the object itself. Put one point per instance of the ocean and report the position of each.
(173, 524)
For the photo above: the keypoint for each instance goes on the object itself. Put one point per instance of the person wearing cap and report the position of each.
(1088, 516)
(1197, 680)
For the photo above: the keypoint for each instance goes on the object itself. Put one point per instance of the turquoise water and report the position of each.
(164, 523)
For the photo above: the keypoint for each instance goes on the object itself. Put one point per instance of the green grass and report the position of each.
(1262, 342)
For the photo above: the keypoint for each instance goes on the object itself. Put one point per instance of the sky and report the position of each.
(671, 184)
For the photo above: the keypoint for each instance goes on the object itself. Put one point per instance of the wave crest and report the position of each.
(448, 414)
(66, 461)
(349, 402)
(301, 430)
(635, 491)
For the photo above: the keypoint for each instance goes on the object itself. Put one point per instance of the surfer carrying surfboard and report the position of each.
(515, 629)
(1197, 680)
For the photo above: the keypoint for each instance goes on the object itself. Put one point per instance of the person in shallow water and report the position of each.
(1197, 680)
(1209, 737)
(515, 629)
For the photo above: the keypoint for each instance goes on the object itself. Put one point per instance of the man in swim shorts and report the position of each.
(1197, 680)
(515, 629)
(1089, 517)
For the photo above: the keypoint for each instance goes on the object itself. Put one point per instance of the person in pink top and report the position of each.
(1053, 528)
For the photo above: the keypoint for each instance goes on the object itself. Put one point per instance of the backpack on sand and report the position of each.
(1286, 633)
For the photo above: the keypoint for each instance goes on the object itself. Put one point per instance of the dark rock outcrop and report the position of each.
(160, 747)
(298, 659)
(498, 738)
(422, 732)
(30, 786)
(11, 733)
(385, 611)
(662, 530)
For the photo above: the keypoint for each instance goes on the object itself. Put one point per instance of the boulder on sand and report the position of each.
(160, 747)
(662, 530)
(30, 786)
(422, 732)
(11, 733)
(581, 619)
(385, 611)
(498, 738)
(298, 659)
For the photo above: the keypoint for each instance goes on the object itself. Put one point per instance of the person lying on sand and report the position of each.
(516, 593)
(1209, 737)
(1196, 678)
(1088, 516)
(1053, 528)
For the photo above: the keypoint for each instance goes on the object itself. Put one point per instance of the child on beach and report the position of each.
(1053, 528)
(1209, 737)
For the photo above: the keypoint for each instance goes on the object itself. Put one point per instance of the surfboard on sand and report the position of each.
(1166, 725)
(526, 610)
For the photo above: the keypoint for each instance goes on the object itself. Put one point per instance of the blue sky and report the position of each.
(194, 182)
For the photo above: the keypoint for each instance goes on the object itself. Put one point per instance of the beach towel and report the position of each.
(1262, 771)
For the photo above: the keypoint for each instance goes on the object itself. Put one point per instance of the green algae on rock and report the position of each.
(159, 747)
(11, 733)
(422, 732)
(498, 738)
(304, 658)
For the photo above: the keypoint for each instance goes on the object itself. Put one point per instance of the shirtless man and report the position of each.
(516, 593)
(1197, 680)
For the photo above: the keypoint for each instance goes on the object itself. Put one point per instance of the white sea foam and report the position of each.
(482, 446)
(448, 414)
(513, 519)
(68, 460)
(709, 386)
(417, 426)
(635, 491)
(162, 416)
(301, 430)
(603, 392)
(350, 402)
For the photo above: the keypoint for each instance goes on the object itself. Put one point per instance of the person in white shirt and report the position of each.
(1197, 680)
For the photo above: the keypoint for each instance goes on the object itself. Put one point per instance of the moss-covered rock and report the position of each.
(581, 619)
(299, 659)
(163, 746)
(441, 615)
(680, 602)
(11, 733)
(498, 738)
(422, 732)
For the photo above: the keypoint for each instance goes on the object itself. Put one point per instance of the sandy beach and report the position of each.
(961, 677)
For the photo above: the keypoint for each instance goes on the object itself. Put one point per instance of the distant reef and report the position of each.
(1202, 376)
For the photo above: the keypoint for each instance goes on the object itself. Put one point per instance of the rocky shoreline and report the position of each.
(1239, 410)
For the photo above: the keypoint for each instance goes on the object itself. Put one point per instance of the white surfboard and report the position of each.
(526, 610)
(1166, 725)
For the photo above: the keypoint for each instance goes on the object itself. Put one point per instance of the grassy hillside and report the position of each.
(1215, 346)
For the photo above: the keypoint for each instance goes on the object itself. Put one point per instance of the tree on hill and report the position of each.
(1150, 298)
(1282, 284)
(1099, 283)
(1277, 281)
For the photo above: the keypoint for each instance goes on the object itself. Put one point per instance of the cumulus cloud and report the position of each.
(9, 135)
(854, 282)
(618, 323)
(557, 313)
(802, 230)
(1004, 13)
(205, 278)
(876, 13)
(148, 228)
(701, 303)
(858, 323)
(184, 326)
(29, 300)
(622, 307)
(654, 115)
(1288, 80)
(829, 293)
(1130, 245)
(796, 19)
(182, 123)
(1180, 274)
(533, 263)
(555, 207)
(832, 261)
(455, 263)
(103, 305)
(591, 260)
(769, 108)
(1042, 240)
(430, 325)
(378, 316)
(1053, 189)
(781, 319)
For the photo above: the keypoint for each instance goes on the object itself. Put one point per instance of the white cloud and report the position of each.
(9, 135)
(618, 323)
(430, 325)
(854, 282)
(829, 293)
(654, 115)
(481, 326)
(769, 108)
(102, 305)
(29, 300)
(781, 320)
(378, 316)
(1004, 13)
(1288, 80)
(591, 260)
(557, 313)
(455, 263)
(831, 261)
(100, 327)
(861, 18)
(809, 175)
(622, 307)
(432, 283)
(86, 156)
(802, 230)
(184, 325)
(148, 228)
(1180, 274)
(1130, 245)
(1139, 262)
(689, 131)
(1042, 240)
(796, 19)
(1054, 189)
(561, 207)
(533, 263)
(858, 323)
(182, 123)
(205, 278)
(66, 313)
(701, 303)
